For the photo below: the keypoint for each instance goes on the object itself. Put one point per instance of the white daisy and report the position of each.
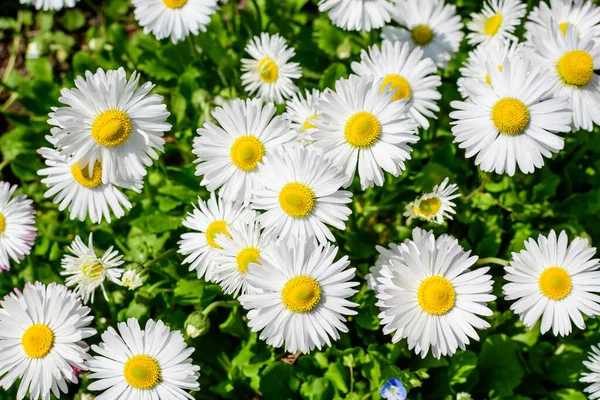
(512, 121)
(497, 21)
(174, 18)
(432, 25)
(207, 221)
(269, 71)
(360, 127)
(50, 4)
(435, 206)
(358, 15)
(555, 281)
(304, 295)
(593, 376)
(301, 112)
(385, 254)
(228, 154)
(430, 296)
(17, 230)
(137, 364)
(301, 194)
(41, 340)
(108, 119)
(408, 74)
(86, 271)
(132, 279)
(583, 15)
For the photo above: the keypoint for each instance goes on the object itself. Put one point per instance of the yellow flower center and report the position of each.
(399, 86)
(308, 124)
(422, 34)
(487, 77)
(82, 175)
(2, 223)
(247, 256)
(216, 227)
(301, 294)
(510, 115)
(175, 3)
(436, 295)
(362, 130)
(111, 128)
(142, 372)
(428, 207)
(246, 152)
(576, 68)
(92, 270)
(492, 24)
(267, 69)
(297, 200)
(555, 283)
(37, 341)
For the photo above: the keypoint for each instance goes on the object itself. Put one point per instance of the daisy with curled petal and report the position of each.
(301, 194)
(358, 15)
(431, 297)
(229, 153)
(513, 121)
(174, 18)
(17, 226)
(107, 118)
(408, 74)
(593, 376)
(269, 71)
(497, 21)
(584, 16)
(435, 206)
(139, 364)
(50, 4)
(554, 280)
(361, 128)
(301, 111)
(431, 25)
(304, 295)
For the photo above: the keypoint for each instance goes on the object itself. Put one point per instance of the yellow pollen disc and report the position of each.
(362, 130)
(297, 200)
(216, 227)
(142, 372)
(399, 86)
(267, 69)
(247, 256)
(301, 294)
(436, 295)
(487, 77)
(82, 175)
(576, 68)
(111, 128)
(555, 283)
(246, 152)
(428, 207)
(175, 3)
(510, 116)
(492, 24)
(92, 270)
(2, 223)
(308, 124)
(422, 34)
(37, 341)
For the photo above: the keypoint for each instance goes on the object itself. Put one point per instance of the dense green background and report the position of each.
(494, 215)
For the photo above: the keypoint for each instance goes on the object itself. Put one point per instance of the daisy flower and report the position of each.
(513, 121)
(207, 220)
(393, 389)
(132, 279)
(174, 18)
(86, 271)
(435, 206)
(593, 376)
(497, 21)
(358, 15)
(408, 75)
(136, 364)
(17, 230)
(554, 280)
(228, 154)
(431, 25)
(269, 71)
(304, 295)
(431, 297)
(584, 16)
(361, 128)
(385, 254)
(41, 340)
(47, 5)
(107, 118)
(301, 194)
(301, 112)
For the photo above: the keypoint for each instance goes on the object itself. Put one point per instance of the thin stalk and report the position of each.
(159, 258)
(222, 303)
(492, 260)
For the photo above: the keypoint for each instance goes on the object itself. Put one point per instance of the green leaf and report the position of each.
(334, 72)
(462, 364)
(156, 223)
(73, 20)
(40, 68)
(499, 350)
(275, 382)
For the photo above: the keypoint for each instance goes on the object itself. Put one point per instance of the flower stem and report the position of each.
(159, 258)
(223, 303)
(492, 260)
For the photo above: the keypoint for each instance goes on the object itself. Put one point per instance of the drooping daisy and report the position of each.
(593, 376)
(304, 295)
(358, 15)
(138, 364)
(435, 206)
(86, 271)
(41, 340)
(47, 5)
(431, 25)
(513, 121)
(497, 21)
(228, 154)
(301, 112)
(361, 128)
(583, 15)
(132, 279)
(431, 297)
(269, 71)
(408, 74)
(17, 230)
(207, 221)
(301, 194)
(393, 389)
(555, 281)
(108, 119)
(174, 18)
